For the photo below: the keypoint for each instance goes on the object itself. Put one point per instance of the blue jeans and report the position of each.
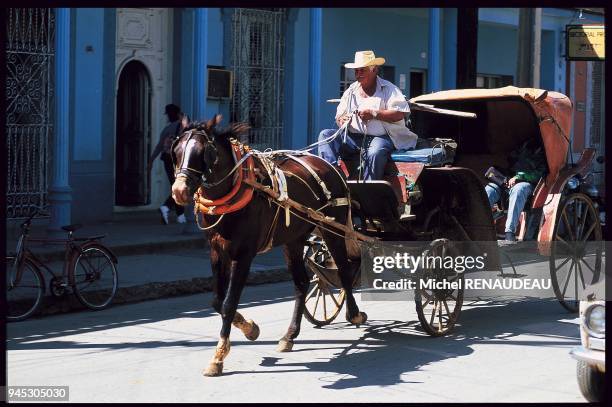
(519, 194)
(377, 151)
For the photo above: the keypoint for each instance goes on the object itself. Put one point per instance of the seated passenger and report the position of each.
(528, 167)
(380, 120)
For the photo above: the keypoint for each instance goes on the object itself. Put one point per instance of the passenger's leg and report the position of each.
(378, 153)
(519, 194)
(493, 193)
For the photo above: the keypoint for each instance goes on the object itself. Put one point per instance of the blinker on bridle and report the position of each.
(192, 174)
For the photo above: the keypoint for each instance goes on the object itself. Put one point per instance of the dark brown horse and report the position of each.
(203, 158)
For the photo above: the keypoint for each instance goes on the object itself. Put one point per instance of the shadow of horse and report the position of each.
(389, 350)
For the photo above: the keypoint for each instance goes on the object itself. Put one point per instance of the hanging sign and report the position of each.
(585, 43)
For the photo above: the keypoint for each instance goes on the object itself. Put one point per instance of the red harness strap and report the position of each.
(240, 194)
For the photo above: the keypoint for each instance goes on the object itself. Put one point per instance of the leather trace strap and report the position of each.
(314, 175)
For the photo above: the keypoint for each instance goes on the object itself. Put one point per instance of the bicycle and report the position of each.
(89, 271)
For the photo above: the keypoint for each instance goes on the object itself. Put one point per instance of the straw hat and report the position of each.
(363, 59)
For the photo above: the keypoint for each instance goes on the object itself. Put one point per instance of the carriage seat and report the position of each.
(428, 156)
(428, 151)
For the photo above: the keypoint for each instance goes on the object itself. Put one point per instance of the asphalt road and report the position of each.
(155, 351)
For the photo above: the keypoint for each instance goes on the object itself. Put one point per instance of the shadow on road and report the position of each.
(387, 349)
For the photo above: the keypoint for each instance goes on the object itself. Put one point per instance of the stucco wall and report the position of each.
(92, 114)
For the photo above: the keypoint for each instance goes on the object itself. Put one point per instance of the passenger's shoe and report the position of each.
(181, 219)
(509, 240)
(164, 210)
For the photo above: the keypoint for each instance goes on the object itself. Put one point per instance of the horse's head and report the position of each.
(201, 154)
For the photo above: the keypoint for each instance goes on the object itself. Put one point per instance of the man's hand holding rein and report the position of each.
(389, 116)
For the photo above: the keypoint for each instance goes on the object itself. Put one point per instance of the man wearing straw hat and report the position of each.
(375, 110)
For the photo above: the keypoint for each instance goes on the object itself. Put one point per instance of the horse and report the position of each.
(204, 160)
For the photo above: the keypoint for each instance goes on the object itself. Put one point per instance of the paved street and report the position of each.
(155, 351)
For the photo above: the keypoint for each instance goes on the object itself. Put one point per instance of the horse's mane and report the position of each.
(236, 130)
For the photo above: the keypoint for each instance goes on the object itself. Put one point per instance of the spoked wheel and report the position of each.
(438, 309)
(577, 250)
(323, 300)
(95, 277)
(24, 290)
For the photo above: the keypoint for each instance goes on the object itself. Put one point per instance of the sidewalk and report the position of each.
(128, 233)
(155, 260)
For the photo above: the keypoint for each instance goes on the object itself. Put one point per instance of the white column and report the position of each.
(60, 193)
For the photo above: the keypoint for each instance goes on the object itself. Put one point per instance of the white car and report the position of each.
(591, 355)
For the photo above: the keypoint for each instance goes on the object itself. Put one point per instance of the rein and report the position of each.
(245, 184)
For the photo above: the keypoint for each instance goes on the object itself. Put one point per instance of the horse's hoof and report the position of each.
(284, 346)
(254, 333)
(359, 319)
(214, 369)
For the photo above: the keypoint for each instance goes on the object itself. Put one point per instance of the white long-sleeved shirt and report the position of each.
(386, 97)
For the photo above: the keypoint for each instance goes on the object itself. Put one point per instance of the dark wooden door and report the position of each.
(133, 136)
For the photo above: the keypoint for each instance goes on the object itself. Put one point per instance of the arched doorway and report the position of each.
(133, 136)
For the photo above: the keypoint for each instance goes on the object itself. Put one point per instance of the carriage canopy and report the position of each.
(506, 117)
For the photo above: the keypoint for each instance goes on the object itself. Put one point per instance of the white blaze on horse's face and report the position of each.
(187, 152)
(180, 189)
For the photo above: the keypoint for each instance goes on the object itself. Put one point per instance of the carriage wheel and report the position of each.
(323, 301)
(438, 309)
(576, 252)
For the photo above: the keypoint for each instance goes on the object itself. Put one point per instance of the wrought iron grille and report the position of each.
(30, 51)
(258, 61)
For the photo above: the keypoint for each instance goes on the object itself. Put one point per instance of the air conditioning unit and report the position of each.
(220, 83)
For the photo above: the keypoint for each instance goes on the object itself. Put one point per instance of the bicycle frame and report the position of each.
(71, 252)
(76, 255)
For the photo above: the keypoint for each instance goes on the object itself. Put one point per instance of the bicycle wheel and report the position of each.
(24, 290)
(94, 277)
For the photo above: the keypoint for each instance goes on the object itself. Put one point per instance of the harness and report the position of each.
(245, 183)
(240, 194)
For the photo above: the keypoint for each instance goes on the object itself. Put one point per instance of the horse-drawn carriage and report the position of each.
(437, 191)
(251, 201)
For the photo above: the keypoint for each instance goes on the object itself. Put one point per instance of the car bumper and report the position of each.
(592, 357)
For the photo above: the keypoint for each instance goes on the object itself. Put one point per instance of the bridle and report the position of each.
(185, 171)
(240, 193)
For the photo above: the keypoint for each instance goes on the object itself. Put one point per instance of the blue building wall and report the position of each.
(92, 114)
(449, 48)
(215, 56)
(399, 38)
(497, 49)
(296, 75)
(547, 60)
(399, 35)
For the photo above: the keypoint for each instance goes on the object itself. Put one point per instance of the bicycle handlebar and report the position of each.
(28, 221)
